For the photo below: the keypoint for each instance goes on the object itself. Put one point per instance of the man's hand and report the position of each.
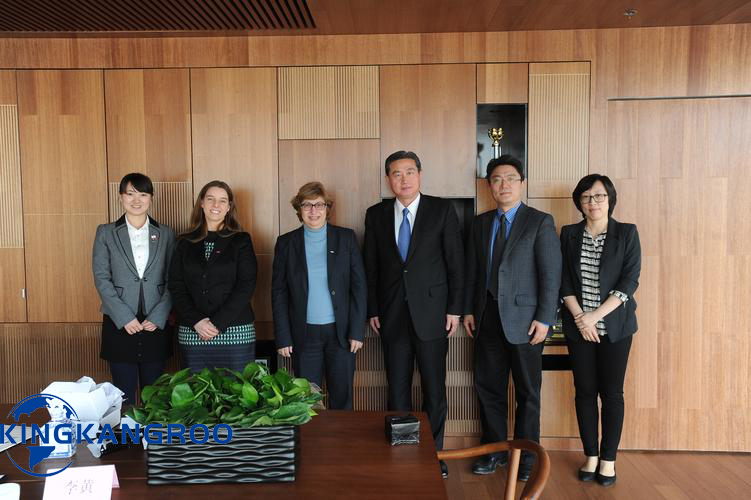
(285, 351)
(452, 323)
(375, 324)
(538, 332)
(469, 324)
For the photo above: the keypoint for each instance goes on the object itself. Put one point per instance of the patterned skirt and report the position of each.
(233, 348)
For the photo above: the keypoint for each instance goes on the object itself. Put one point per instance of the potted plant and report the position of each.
(262, 409)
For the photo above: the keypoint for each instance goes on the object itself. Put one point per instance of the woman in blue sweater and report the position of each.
(318, 296)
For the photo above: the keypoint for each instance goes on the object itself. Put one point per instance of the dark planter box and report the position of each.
(258, 454)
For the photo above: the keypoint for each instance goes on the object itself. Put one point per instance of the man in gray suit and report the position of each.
(513, 275)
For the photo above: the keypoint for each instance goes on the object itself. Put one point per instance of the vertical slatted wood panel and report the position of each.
(36, 354)
(61, 123)
(679, 179)
(431, 110)
(171, 204)
(558, 128)
(234, 113)
(11, 222)
(502, 83)
(330, 102)
(349, 169)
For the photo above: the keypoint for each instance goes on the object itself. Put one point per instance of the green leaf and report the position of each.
(233, 415)
(182, 394)
(180, 376)
(249, 394)
(262, 420)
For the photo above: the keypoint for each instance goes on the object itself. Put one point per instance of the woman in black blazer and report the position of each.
(601, 266)
(212, 278)
(130, 262)
(318, 296)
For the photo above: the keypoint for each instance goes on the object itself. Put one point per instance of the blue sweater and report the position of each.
(320, 308)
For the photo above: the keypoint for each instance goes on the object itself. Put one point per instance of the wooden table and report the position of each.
(342, 455)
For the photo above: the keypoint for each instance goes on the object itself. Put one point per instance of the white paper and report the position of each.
(16, 435)
(81, 483)
(10, 491)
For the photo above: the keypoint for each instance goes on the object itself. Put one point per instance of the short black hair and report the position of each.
(140, 183)
(587, 182)
(504, 160)
(401, 155)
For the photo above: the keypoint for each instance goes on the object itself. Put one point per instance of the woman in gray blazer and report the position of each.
(130, 262)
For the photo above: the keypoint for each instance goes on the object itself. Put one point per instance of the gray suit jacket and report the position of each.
(116, 278)
(529, 276)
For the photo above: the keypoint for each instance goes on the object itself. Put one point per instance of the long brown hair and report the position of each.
(199, 228)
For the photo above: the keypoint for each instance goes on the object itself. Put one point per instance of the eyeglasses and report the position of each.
(310, 206)
(597, 198)
(508, 180)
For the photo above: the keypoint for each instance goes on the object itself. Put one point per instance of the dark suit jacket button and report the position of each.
(333, 292)
(205, 292)
(146, 279)
(405, 270)
(203, 276)
(135, 279)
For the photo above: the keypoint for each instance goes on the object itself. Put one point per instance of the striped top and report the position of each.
(590, 269)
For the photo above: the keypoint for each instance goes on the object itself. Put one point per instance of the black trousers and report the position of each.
(599, 369)
(495, 357)
(320, 352)
(130, 377)
(400, 350)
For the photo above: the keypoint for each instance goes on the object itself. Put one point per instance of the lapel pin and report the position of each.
(154, 237)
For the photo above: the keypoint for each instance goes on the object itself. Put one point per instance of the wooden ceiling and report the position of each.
(320, 17)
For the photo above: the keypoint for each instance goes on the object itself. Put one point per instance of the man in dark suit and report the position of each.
(414, 265)
(513, 276)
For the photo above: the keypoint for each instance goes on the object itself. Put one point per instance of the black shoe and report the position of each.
(605, 480)
(487, 464)
(586, 476)
(524, 472)
(444, 469)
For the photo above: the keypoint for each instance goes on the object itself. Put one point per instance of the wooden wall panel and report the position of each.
(502, 83)
(61, 119)
(349, 169)
(558, 135)
(61, 122)
(563, 210)
(431, 109)
(330, 102)
(47, 352)
(686, 386)
(234, 114)
(148, 124)
(12, 282)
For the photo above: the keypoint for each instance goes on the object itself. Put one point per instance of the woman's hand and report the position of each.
(285, 351)
(133, 326)
(354, 345)
(586, 320)
(589, 333)
(206, 329)
(148, 326)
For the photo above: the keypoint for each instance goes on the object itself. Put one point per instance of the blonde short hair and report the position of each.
(311, 191)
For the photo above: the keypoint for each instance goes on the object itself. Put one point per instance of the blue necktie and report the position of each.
(404, 234)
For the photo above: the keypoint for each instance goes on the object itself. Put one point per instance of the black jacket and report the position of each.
(432, 278)
(219, 289)
(346, 283)
(620, 265)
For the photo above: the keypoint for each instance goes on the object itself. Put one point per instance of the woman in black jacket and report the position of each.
(212, 278)
(601, 266)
